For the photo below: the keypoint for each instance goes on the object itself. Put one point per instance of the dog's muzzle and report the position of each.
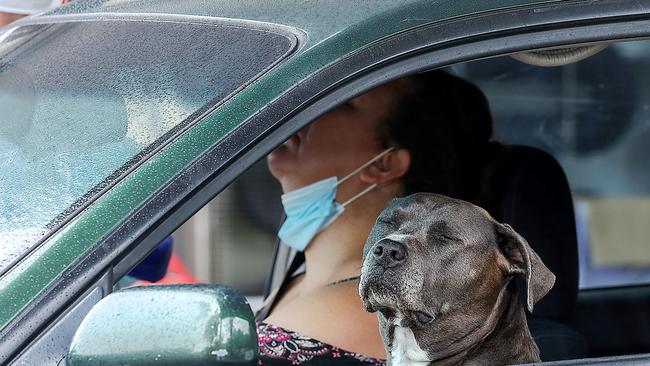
(379, 286)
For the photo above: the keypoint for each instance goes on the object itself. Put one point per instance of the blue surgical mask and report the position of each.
(312, 208)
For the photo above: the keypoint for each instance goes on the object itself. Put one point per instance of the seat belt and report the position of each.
(269, 301)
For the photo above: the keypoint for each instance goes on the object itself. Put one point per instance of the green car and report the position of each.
(120, 119)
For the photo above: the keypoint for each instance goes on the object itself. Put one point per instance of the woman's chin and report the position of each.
(284, 171)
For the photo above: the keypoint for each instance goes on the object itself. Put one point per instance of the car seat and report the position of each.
(527, 188)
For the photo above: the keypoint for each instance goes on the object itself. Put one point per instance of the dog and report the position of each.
(441, 274)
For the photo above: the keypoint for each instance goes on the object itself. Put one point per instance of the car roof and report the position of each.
(319, 19)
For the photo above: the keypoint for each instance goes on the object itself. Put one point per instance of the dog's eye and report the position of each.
(385, 221)
(448, 238)
(423, 318)
(443, 232)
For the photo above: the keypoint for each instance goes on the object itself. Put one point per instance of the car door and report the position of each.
(429, 45)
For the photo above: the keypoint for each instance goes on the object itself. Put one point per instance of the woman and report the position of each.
(426, 132)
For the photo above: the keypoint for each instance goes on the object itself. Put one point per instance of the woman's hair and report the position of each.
(446, 125)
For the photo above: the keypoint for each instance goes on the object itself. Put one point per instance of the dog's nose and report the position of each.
(389, 253)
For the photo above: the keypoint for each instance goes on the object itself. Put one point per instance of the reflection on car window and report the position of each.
(594, 118)
(83, 101)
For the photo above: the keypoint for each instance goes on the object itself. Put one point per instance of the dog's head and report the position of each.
(438, 266)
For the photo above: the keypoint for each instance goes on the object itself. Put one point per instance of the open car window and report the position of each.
(593, 116)
(77, 116)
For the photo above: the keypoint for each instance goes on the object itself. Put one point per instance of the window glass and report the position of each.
(594, 118)
(83, 101)
(230, 241)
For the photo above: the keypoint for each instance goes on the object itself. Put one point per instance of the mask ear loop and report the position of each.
(359, 169)
(370, 188)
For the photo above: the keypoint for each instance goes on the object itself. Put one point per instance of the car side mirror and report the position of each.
(167, 325)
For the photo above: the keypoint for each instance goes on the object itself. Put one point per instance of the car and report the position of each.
(123, 118)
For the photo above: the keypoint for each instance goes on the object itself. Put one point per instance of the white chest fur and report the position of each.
(405, 350)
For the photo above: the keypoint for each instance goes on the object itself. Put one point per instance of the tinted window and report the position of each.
(594, 118)
(83, 101)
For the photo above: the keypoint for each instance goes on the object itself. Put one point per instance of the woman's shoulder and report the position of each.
(334, 316)
(280, 346)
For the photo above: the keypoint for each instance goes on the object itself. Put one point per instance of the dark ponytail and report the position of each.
(446, 124)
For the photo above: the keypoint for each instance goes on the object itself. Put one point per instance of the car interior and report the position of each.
(573, 179)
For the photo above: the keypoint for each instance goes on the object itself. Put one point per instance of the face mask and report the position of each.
(312, 208)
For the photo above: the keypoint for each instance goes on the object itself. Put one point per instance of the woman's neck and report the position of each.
(336, 252)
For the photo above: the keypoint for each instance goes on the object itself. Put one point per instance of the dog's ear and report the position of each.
(523, 260)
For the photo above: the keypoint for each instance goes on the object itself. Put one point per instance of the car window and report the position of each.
(593, 116)
(84, 101)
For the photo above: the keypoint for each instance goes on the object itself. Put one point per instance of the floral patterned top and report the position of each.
(279, 346)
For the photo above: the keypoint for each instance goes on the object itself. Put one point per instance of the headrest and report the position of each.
(530, 192)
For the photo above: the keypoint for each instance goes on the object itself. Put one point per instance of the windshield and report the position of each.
(82, 102)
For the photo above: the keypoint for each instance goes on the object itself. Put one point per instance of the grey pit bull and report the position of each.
(440, 272)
